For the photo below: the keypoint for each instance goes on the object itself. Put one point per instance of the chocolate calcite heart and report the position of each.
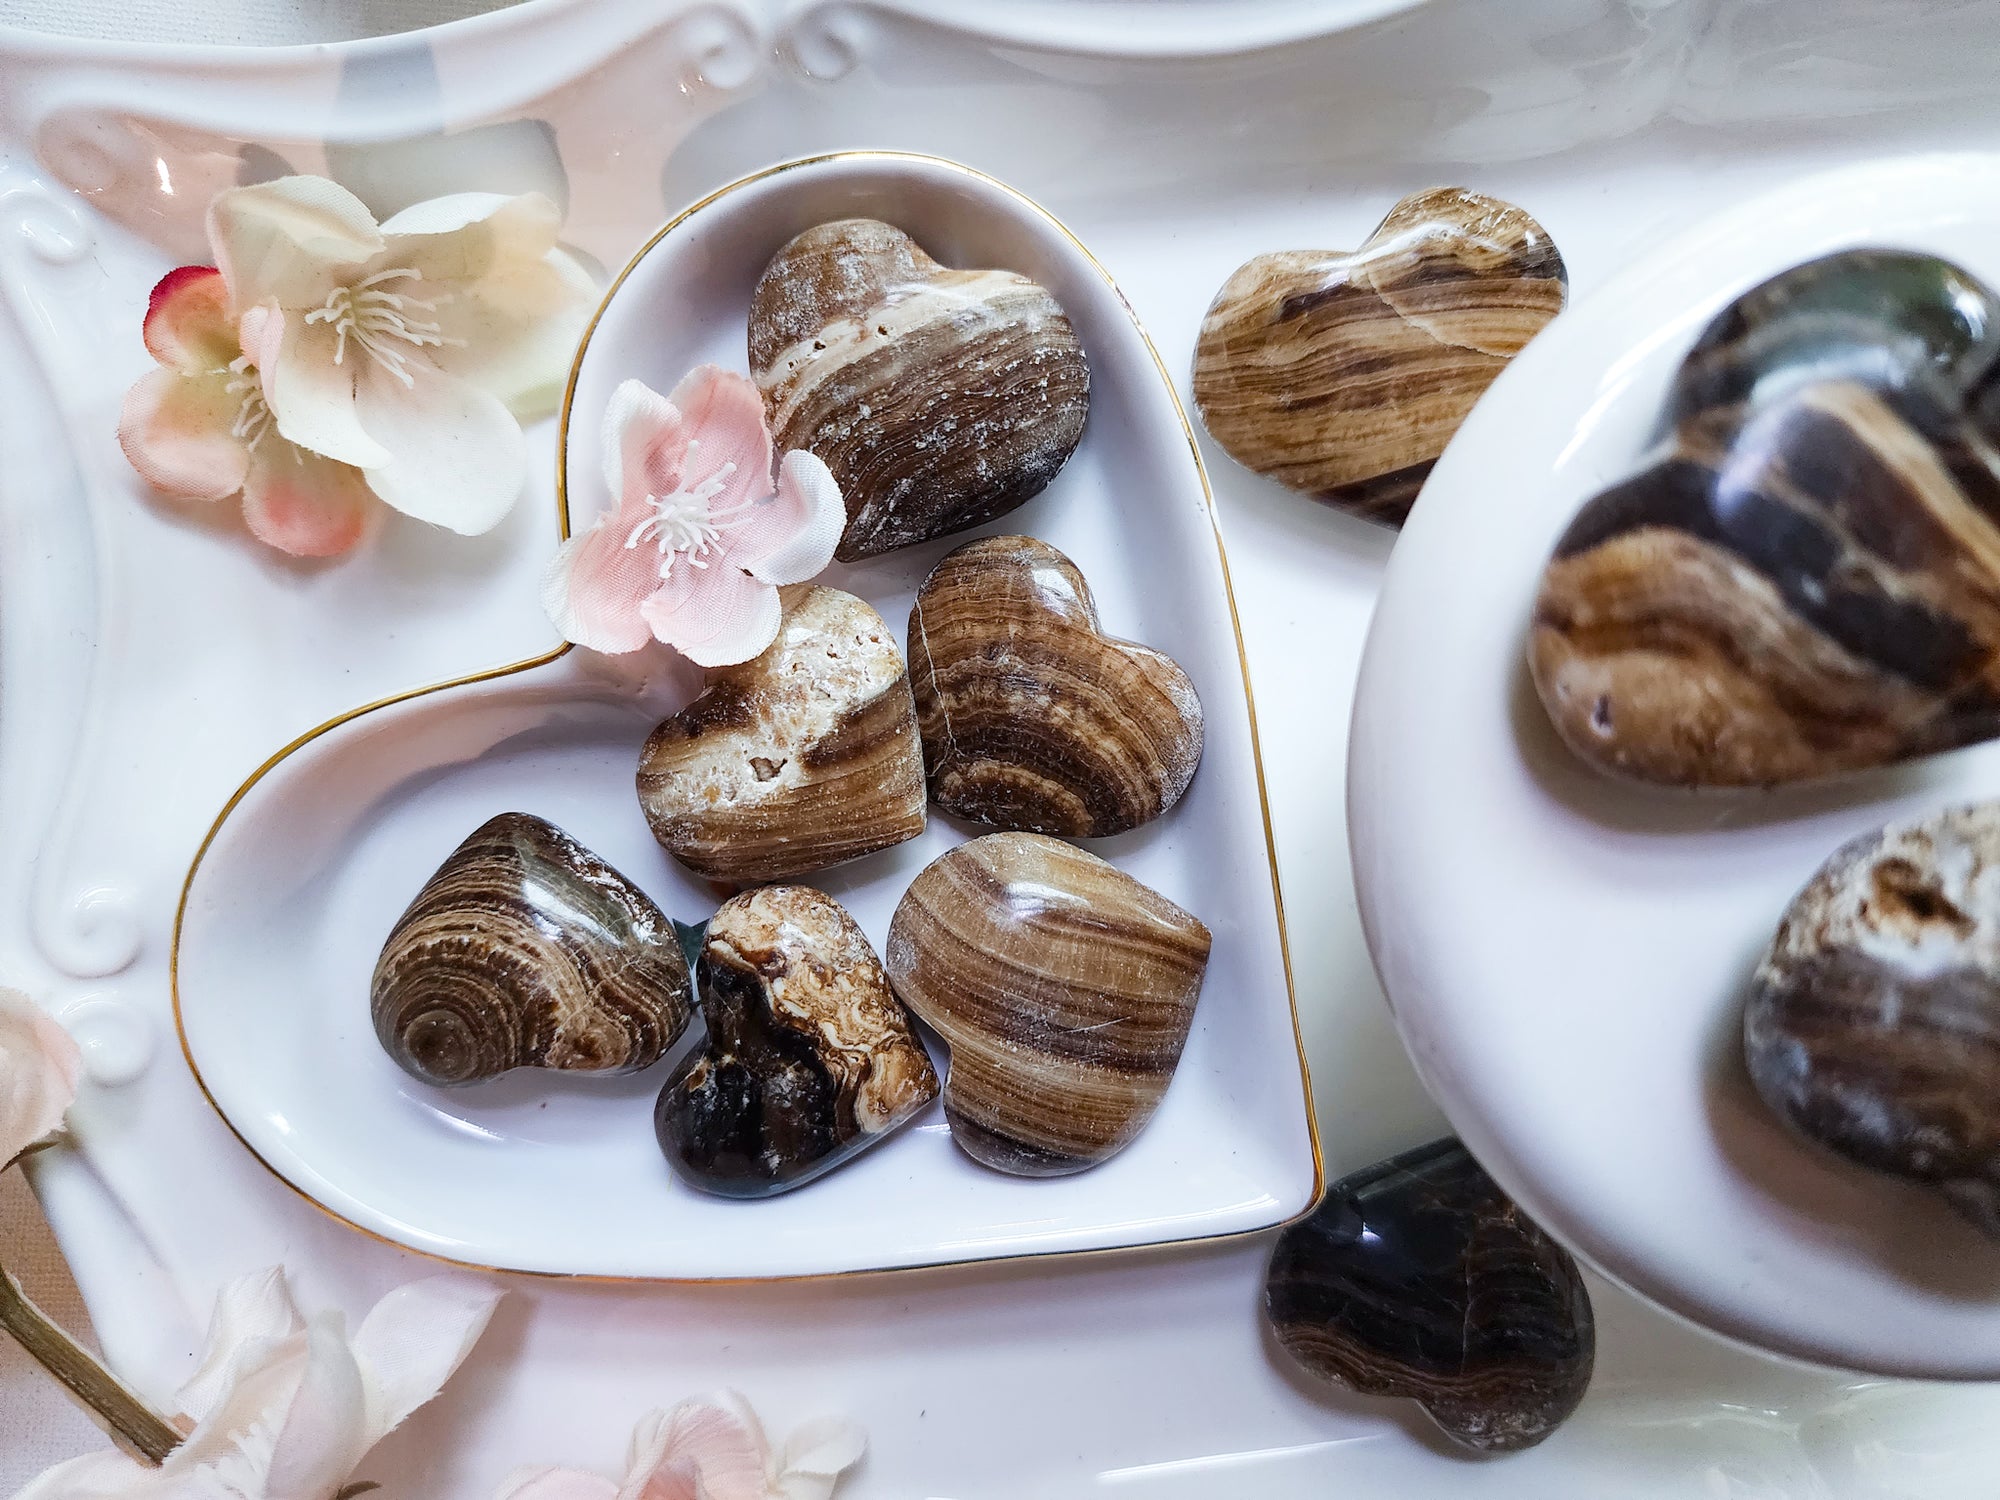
(1873, 1024)
(938, 398)
(1031, 717)
(1804, 577)
(525, 950)
(804, 757)
(1345, 373)
(1064, 988)
(809, 1057)
(1418, 1277)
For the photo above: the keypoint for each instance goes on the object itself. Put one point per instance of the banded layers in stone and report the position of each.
(1418, 1277)
(1805, 578)
(1064, 988)
(1031, 717)
(802, 758)
(527, 950)
(938, 398)
(1873, 1024)
(809, 1057)
(1344, 374)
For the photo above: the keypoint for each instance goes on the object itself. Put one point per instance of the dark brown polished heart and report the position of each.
(1344, 374)
(938, 398)
(1031, 717)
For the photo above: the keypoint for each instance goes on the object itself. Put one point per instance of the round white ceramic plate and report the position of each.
(308, 869)
(1566, 955)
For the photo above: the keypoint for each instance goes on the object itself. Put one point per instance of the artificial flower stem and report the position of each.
(119, 1410)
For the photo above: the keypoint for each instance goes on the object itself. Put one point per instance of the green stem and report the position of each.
(132, 1424)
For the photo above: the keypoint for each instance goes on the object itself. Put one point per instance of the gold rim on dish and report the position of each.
(492, 673)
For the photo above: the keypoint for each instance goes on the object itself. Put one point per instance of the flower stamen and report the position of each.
(684, 524)
(376, 320)
(253, 412)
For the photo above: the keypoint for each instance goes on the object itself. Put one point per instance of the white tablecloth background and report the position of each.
(38, 1423)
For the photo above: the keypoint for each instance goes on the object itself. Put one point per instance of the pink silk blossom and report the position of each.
(708, 1450)
(38, 1067)
(698, 536)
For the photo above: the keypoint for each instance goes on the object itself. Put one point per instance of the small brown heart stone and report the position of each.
(939, 398)
(800, 759)
(1031, 717)
(1064, 987)
(1344, 374)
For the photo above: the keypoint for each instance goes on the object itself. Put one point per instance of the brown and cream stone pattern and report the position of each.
(1064, 988)
(802, 758)
(938, 398)
(1032, 718)
(1344, 373)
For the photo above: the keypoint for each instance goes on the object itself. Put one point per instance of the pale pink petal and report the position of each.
(816, 1455)
(791, 537)
(312, 395)
(253, 1308)
(697, 1451)
(721, 617)
(239, 1432)
(38, 1066)
(306, 505)
(413, 1340)
(175, 430)
(645, 437)
(550, 1483)
(323, 1433)
(188, 327)
(594, 586)
(456, 455)
(725, 415)
(291, 241)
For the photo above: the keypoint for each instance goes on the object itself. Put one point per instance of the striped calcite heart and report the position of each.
(1418, 1277)
(802, 758)
(1032, 718)
(939, 398)
(1873, 1023)
(1804, 577)
(1064, 988)
(1345, 373)
(525, 950)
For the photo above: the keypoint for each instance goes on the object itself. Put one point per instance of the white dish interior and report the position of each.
(289, 904)
(1567, 955)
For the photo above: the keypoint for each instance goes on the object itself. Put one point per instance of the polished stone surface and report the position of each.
(809, 1058)
(1873, 1024)
(1418, 1277)
(525, 950)
(1345, 373)
(939, 398)
(803, 758)
(1804, 576)
(1064, 988)
(1032, 718)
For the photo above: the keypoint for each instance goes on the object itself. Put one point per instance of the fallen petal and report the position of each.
(175, 430)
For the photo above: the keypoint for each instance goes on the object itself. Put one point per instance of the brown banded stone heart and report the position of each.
(1031, 717)
(1344, 374)
(939, 398)
(800, 759)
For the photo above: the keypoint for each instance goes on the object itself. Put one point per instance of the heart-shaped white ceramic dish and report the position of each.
(306, 870)
(1566, 955)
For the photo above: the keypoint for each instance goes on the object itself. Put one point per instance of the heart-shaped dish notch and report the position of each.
(306, 872)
